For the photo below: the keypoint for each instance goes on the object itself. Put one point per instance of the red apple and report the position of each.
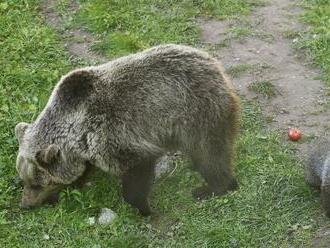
(294, 134)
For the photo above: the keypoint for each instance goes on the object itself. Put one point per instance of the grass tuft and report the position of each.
(238, 70)
(316, 40)
(263, 87)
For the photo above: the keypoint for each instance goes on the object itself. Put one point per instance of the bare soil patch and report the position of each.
(300, 97)
(78, 41)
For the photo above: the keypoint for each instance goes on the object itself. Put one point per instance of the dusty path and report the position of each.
(300, 97)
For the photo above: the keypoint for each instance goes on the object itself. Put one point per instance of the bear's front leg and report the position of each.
(137, 182)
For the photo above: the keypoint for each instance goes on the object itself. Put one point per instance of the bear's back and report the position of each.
(159, 78)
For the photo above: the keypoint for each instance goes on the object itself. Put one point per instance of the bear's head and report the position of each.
(44, 168)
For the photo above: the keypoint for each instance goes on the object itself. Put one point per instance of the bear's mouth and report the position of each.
(51, 199)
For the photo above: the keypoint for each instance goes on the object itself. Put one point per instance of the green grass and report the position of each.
(263, 87)
(239, 32)
(246, 29)
(130, 26)
(30, 59)
(316, 40)
(223, 9)
(272, 208)
(290, 34)
(238, 70)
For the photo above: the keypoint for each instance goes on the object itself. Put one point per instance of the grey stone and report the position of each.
(107, 216)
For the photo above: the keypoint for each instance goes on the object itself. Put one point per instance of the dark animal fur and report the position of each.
(317, 171)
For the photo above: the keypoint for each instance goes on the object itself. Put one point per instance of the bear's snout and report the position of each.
(25, 205)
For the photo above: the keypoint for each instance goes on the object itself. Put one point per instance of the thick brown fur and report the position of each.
(317, 170)
(123, 115)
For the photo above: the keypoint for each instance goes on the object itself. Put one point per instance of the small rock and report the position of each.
(88, 184)
(163, 165)
(284, 111)
(106, 216)
(307, 227)
(234, 243)
(91, 221)
(46, 237)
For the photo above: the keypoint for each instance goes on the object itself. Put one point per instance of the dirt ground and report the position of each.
(300, 97)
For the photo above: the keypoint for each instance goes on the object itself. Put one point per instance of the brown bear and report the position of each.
(317, 170)
(123, 115)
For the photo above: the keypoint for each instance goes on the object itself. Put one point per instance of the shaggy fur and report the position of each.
(317, 172)
(123, 115)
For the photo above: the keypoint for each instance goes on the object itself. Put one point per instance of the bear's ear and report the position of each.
(48, 156)
(75, 86)
(20, 130)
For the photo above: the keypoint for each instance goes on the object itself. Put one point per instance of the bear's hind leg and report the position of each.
(215, 166)
(137, 182)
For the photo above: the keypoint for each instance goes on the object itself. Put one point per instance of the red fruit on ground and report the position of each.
(294, 134)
